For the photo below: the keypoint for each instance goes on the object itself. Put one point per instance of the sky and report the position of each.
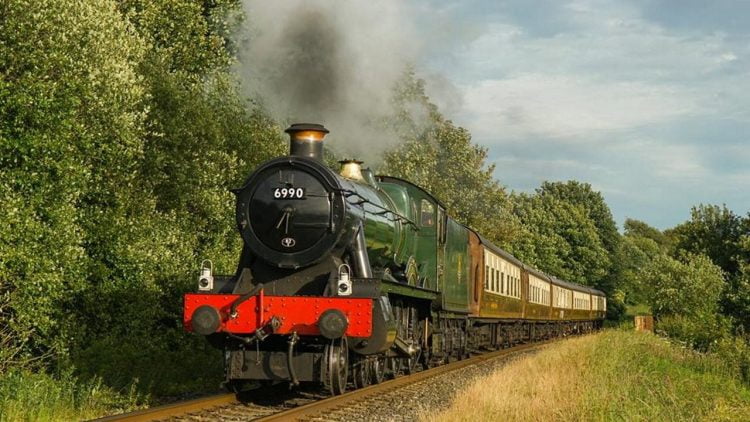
(648, 101)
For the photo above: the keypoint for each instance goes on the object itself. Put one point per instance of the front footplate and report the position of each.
(298, 314)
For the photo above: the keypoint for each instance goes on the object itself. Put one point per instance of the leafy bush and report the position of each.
(121, 131)
(734, 352)
(690, 287)
(698, 333)
(70, 136)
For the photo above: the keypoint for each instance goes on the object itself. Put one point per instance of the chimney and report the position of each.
(306, 140)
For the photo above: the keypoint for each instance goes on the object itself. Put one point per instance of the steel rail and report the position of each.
(319, 406)
(174, 409)
(337, 402)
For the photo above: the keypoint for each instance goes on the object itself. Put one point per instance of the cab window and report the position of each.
(428, 214)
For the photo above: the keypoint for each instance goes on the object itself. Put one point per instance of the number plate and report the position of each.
(289, 193)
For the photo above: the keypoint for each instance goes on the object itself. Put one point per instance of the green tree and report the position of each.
(685, 298)
(640, 244)
(721, 234)
(200, 139)
(598, 213)
(593, 204)
(737, 294)
(71, 121)
(121, 131)
(714, 231)
(203, 138)
(639, 229)
(690, 287)
(441, 157)
(559, 238)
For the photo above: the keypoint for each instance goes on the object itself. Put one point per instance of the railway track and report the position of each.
(277, 404)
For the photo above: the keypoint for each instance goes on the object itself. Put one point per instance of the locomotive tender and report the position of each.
(351, 276)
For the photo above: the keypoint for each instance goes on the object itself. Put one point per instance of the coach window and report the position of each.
(428, 214)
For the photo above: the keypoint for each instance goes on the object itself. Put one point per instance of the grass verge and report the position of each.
(27, 395)
(612, 375)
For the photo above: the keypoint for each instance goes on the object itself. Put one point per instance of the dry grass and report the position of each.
(614, 375)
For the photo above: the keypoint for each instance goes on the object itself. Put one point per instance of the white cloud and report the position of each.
(565, 106)
(610, 70)
(651, 112)
(665, 161)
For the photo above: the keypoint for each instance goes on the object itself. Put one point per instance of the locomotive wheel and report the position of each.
(411, 365)
(392, 367)
(378, 369)
(412, 322)
(336, 356)
(361, 373)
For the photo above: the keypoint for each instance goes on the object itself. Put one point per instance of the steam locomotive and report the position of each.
(356, 277)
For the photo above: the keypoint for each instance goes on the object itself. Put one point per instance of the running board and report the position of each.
(405, 348)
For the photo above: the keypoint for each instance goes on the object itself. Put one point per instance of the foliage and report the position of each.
(121, 131)
(593, 205)
(723, 236)
(690, 287)
(603, 270)
(441, 157)
(201, 139)
(638, 247)
(713, 231)
(734, 351)
(559, 239)
(636, 229)
(701, 334)
(71, 119)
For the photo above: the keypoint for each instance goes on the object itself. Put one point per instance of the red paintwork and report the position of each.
(297, 313)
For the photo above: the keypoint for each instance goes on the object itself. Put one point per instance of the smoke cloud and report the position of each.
(330, 62)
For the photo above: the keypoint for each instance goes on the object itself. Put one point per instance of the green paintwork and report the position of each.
(406, 290)
(383, 236)
(403, 205)
(443, 261)
(420, 244)
(454, 280)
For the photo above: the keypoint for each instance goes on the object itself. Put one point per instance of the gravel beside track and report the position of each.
(402, 399)
(406, 398)
(430, 395)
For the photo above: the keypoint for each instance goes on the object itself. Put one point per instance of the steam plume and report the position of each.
(330, 62)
